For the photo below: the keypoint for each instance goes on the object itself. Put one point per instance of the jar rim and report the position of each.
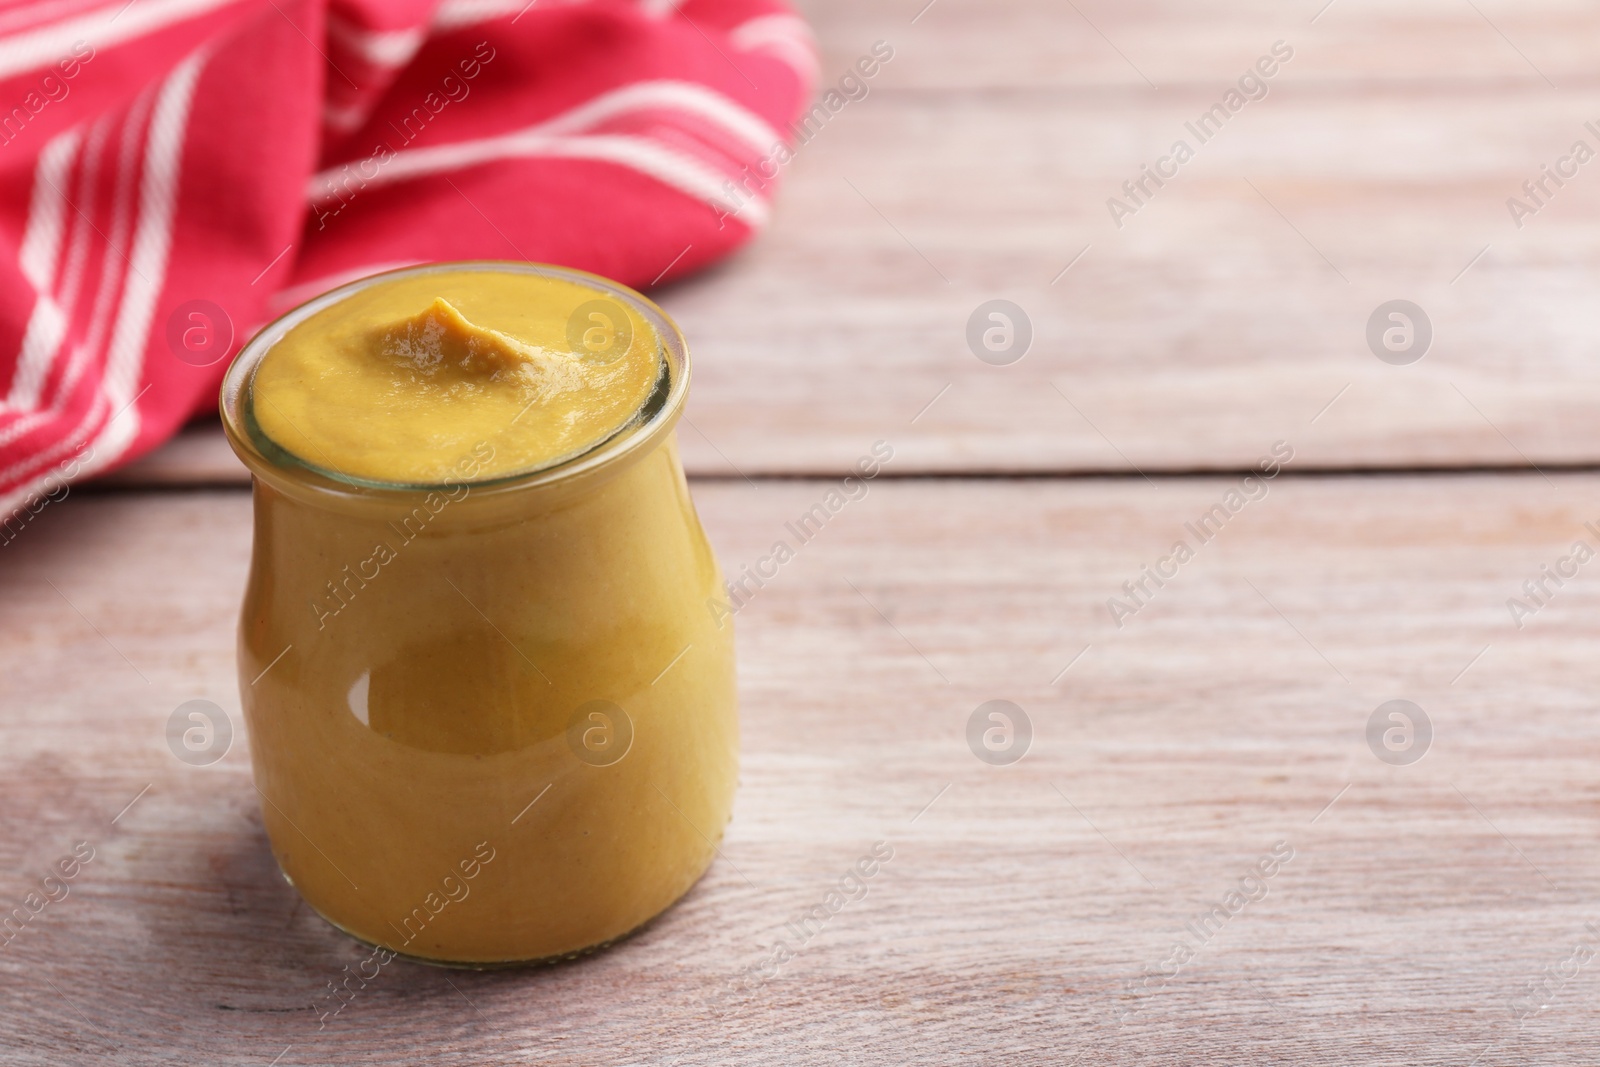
(635, 437)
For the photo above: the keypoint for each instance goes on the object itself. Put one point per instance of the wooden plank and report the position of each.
(1224, 315)
(984, 44)
(1227, 313)
(1022, 901)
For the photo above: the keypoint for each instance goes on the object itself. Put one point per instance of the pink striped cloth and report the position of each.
(174, 173)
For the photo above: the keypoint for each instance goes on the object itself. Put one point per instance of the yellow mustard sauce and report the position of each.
(400, 381)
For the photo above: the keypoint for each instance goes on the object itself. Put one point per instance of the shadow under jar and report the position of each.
(491, 720)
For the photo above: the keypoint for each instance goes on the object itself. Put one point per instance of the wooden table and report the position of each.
(1436, 911)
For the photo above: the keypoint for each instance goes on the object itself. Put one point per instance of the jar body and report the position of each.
(490, 728)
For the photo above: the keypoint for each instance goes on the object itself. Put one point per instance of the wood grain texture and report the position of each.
(1377, 168)
(1021, 901)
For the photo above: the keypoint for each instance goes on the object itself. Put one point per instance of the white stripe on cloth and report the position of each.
(158, 198)
(41, 249)
(34, 14)
(83, 224)
(687, 97)
(454, 14)
(546, 139)
(44, 482)
(112, 262)
(113, 258)
(41, 241)
(659, 9)
(147, 267)
(344, 118)
(102, 28)
(46, 327)
(381, 48)
(765, 28)
(787, 36)
(690, 97)
(108, 283)
(681, 172)
(381, 52)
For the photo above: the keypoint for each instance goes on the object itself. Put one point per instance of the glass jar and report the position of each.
(491, 721)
